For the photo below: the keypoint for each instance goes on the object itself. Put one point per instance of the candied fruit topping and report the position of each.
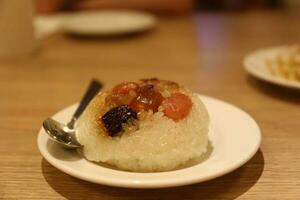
(147, 99)
(177, 106)
(115, 117)
(129, 102)
(125, 87)
(113, 100)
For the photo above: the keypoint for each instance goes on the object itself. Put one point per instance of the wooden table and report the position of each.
(208, 61)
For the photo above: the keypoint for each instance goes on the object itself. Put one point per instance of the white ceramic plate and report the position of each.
(234, 135)
(108, 22)
(255, 64)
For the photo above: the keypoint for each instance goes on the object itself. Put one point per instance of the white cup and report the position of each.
(16, 29)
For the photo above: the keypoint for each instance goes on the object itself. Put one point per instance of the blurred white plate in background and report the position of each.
(107, 22)
(255, 64)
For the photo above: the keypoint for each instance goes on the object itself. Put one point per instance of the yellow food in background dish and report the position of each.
(286, 64)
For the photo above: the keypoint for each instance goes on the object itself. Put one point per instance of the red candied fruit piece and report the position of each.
(122, 93)
(125, 88)
(147, 99)
(177, 106)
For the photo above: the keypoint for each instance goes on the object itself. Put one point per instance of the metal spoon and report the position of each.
(65, 134)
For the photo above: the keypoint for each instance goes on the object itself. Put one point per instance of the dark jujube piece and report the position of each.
(115, 117)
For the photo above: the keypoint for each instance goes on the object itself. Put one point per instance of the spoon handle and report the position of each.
(92, 90)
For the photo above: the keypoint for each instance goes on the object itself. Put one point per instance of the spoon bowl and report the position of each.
(63, 134)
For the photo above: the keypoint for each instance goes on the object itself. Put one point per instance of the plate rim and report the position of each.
(270, 78)
(163, 183)
(67, 20)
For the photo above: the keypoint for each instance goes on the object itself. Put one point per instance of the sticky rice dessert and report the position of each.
(150, 125)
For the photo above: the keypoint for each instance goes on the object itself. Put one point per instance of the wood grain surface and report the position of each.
(204, 52)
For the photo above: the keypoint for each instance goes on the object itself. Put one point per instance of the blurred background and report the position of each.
(51, 49)
(163, 6)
